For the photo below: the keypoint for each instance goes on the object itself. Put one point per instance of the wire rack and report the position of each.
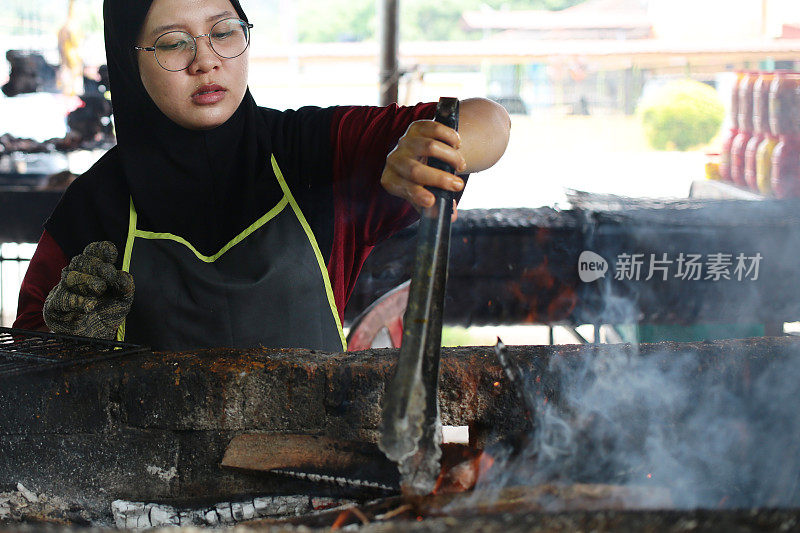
(23, 351)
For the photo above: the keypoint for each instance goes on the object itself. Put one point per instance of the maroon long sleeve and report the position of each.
(44, 273)
(364, 213)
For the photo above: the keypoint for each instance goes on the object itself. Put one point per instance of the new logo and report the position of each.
(591, 267)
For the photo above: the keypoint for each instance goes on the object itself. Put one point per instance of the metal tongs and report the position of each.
(411, 429)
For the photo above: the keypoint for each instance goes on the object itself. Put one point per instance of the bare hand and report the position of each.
(406, 175)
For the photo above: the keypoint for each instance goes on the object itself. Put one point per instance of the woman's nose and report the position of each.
(206, 59)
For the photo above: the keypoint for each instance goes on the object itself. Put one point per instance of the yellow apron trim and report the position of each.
(287, 198)
(126, 259)
(310, 234)
(233, 242)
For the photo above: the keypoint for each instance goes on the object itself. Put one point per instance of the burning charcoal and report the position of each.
(224, 512)
(320, 503)
(242, 511)
(281, 505)
(163, 515)
(127, 514)
(461, 467)
(191, 518)
(211, 518)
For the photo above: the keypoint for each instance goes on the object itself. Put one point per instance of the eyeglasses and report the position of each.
(176, 50)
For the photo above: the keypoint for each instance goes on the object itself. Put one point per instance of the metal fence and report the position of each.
(14, 260)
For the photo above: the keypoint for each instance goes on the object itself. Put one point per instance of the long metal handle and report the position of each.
(411, 426)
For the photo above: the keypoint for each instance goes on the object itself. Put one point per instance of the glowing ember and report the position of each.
(496, 383)
(485, 462)
(462, 466)
(340, 520)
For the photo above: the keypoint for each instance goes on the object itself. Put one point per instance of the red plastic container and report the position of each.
(745, 122)
(784, 117)
(727, 140)
(785, 175)
(761, 128)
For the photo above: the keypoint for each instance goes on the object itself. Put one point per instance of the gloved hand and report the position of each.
(93, 297)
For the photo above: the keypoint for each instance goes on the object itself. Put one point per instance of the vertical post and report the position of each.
(389, 67)
(628, 96)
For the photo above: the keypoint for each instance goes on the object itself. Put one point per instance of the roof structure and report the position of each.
(597, 15)
(605, 53)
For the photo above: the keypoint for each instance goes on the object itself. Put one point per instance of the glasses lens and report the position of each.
(175, 50)
(230, 37)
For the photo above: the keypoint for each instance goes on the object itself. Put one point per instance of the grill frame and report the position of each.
(24, 351)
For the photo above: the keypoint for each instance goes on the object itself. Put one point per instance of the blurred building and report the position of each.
(600, 55)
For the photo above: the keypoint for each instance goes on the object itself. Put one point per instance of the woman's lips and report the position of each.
(208, 94)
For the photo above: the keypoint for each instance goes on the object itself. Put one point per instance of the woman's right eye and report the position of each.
(171, 45)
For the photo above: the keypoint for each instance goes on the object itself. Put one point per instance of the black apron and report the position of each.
(269, 286)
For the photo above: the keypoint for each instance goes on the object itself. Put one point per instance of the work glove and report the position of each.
(93, 297)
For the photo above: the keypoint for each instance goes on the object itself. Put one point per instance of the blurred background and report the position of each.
(577, 76)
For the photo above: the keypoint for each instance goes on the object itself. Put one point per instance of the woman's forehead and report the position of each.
(165, 15)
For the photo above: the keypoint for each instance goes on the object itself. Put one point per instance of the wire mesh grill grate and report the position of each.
(24, 351)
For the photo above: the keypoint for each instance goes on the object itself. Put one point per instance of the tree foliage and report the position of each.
(317, 20)
(26, 17)
(337, 20)
(681, 115)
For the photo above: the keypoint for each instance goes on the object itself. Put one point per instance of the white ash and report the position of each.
(24, 504)
(162, 474)
(28, 495)
(140, 515)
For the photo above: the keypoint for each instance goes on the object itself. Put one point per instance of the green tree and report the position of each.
(356, 20)
(681, 115)
(335, 20)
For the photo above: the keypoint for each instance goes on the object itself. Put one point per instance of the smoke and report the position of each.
(716, 431)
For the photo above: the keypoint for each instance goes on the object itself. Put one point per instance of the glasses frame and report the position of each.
(247, 25)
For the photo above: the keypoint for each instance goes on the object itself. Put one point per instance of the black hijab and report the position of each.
(205, 186)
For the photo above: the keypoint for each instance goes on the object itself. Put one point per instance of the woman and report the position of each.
(240, 225)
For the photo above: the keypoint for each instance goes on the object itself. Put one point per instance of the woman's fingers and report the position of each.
(425, 139)
(434, 130)
(406, 173)
(419, 173)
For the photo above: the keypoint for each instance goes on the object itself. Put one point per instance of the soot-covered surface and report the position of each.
(156, 428)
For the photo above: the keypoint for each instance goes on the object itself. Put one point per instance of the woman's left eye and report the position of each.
(222, 34)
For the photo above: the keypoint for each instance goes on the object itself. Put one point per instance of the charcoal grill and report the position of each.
(23, 351)
(155, 428)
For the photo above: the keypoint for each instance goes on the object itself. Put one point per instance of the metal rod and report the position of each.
(389, 64)
(411, 426)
